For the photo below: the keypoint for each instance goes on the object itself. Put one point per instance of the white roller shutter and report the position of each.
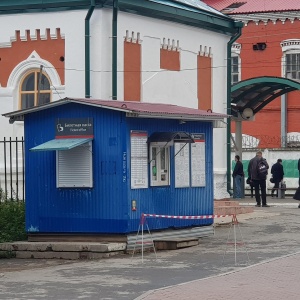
(74, 167)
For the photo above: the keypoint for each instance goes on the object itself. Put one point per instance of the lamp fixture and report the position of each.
(247, 113)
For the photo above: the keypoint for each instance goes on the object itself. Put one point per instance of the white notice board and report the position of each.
(198, 160)
(139, 161)
(182, 165)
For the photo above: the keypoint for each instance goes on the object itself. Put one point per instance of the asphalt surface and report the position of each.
(264, 235)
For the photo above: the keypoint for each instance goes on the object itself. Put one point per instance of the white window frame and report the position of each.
(162, 177)
(74, 167)
(291, 46)
(235, 52)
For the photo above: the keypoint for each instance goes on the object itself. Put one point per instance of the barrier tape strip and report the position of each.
(187, 217)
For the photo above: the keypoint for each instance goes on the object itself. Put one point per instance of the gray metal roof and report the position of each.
(189, 12)
(200, 5)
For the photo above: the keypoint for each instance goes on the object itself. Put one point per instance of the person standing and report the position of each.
(258, 171)
(278, 173)
(249, 181)
(238, 176)
(299, 171)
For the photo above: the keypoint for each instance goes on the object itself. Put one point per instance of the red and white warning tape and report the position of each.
(187, 217)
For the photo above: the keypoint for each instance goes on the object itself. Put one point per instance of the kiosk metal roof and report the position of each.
(256, 93)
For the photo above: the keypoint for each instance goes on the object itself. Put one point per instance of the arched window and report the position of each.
(34, 89)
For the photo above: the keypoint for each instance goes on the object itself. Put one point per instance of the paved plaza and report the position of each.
(211, 270)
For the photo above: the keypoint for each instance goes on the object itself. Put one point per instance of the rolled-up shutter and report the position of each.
(74, 167)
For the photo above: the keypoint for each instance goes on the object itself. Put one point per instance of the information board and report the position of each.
(139, 159)
(198, 160)
(182, 165)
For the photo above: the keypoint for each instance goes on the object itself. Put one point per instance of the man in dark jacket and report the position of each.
(258, 179)
(238, 176)
(277, 172)
(299, 171)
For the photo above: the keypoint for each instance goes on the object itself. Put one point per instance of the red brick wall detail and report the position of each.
(48, 49)
(266, 126)
(132, 71)
(204, 78)
(169, 60)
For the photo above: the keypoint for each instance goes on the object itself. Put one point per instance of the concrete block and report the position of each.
(109, 247)
(47, 255)
(68, 247)
(6, 247)
(175, 244)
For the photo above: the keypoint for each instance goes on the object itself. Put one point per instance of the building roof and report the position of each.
(197, 4)
(189, 12)
(253, 6)
(131, 108)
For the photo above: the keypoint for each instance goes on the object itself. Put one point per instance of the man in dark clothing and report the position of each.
(238, 176)
(299, 172)
(277, 172)
(258, 179)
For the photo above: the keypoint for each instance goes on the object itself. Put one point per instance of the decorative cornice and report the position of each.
(205, 51)
(274, 17)
(170, 46)
(236, 48)
(35, 35)
(290, 44)
(132, 38)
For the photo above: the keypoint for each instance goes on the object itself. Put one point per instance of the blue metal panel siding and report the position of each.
(106, 208)
(100, 209)
(170, 200)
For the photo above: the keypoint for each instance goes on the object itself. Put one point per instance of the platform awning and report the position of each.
(177, 137)
(60, 144)
(256, 93)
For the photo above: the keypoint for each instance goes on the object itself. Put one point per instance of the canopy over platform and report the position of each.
(255, 93)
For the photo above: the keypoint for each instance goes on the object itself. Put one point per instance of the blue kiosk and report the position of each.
(92, 167)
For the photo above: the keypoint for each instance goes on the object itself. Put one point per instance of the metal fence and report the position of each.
(12, 169)
(250, 142)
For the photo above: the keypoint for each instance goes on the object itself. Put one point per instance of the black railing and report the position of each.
(12, 169)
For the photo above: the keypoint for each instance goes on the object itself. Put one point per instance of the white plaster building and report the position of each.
(150, 51)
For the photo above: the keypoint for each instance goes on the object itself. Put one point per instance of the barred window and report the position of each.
(293, 66)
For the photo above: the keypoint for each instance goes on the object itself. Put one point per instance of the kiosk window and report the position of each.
(160, 164)
(74, 167)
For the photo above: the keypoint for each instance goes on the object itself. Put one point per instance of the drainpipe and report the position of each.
(239, 26)
(114, 49)
(87, 50)
(283, 121)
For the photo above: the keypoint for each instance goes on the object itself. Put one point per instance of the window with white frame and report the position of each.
(291, 59)
(235, 74)
(160, 164)
(34, 89)
(235, 63)
(74, 167)
(292, 62)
